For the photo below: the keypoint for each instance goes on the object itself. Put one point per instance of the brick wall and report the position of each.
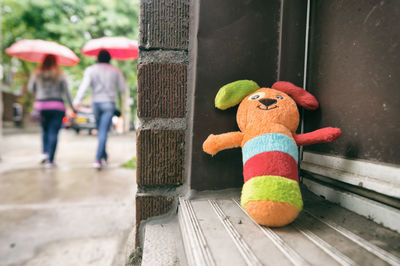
(162, 92)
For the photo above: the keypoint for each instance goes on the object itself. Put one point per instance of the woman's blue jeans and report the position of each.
(51, 121)
(103, 112)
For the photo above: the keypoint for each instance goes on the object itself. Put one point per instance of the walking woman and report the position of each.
(50, 88)
(104, 79)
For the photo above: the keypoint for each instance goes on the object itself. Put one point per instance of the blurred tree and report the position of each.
(71, 23)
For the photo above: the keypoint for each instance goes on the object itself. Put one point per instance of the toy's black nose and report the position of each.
(267, 102)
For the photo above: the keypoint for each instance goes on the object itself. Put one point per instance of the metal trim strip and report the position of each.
(326, 247)
(290, 253)
(377, 251)
(381, 178)
(244, 249)
(199, 252)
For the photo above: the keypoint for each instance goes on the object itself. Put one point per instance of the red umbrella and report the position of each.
(36, 50)
(120, 48)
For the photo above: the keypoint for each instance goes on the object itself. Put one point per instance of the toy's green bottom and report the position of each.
(272, 200)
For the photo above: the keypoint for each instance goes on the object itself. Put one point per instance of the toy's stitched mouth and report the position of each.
(266, 108)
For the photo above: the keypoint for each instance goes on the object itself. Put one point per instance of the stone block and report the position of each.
(162, 90)
(164, 24)
(160, 157)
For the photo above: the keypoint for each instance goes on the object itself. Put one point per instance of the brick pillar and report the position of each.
(162, 90)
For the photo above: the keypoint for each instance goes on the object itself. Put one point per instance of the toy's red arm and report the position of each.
(216, 143)
(326, 134)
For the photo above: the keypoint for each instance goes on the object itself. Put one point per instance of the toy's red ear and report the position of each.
(300, 96)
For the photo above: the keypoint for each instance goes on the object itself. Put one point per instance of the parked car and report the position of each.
(17, 114)
(67, 120)
(83, 119)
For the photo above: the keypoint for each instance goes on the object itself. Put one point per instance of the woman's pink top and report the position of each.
(49, 105)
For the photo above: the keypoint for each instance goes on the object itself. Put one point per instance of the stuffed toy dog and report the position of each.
(268, 119)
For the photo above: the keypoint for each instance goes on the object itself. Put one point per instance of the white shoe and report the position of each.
(49, 165)
(97, 165)
(44, 157)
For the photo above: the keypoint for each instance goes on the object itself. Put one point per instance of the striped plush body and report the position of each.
(268, 119)
(271, 174)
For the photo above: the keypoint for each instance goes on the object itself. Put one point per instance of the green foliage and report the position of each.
(131, 164)
(71, 23)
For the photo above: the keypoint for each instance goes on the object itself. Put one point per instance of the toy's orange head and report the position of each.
(267, 106)
(260, 107)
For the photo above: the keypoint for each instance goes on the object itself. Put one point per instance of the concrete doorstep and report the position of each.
(215, 230)
(162, 243)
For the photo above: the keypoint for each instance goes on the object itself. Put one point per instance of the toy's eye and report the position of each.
(256, 96)
(279, 97)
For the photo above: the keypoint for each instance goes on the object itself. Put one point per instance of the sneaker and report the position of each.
(97, 165)
(49, 165)
(44, 157)
(104, 162)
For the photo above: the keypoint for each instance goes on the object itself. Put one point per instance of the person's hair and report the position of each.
(104, 56)
(49, 62)
(49, 67)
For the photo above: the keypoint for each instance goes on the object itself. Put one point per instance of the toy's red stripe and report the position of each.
(271, 163)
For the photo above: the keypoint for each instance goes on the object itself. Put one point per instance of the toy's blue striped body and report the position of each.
(271, 159)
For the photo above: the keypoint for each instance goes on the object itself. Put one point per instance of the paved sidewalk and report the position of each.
(70, 215)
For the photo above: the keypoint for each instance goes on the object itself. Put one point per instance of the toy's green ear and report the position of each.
(233, 93)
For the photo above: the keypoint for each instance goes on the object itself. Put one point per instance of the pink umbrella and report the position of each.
(36, 50)
(120, 48)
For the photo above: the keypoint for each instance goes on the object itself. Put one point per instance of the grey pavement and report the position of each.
(69, 215)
